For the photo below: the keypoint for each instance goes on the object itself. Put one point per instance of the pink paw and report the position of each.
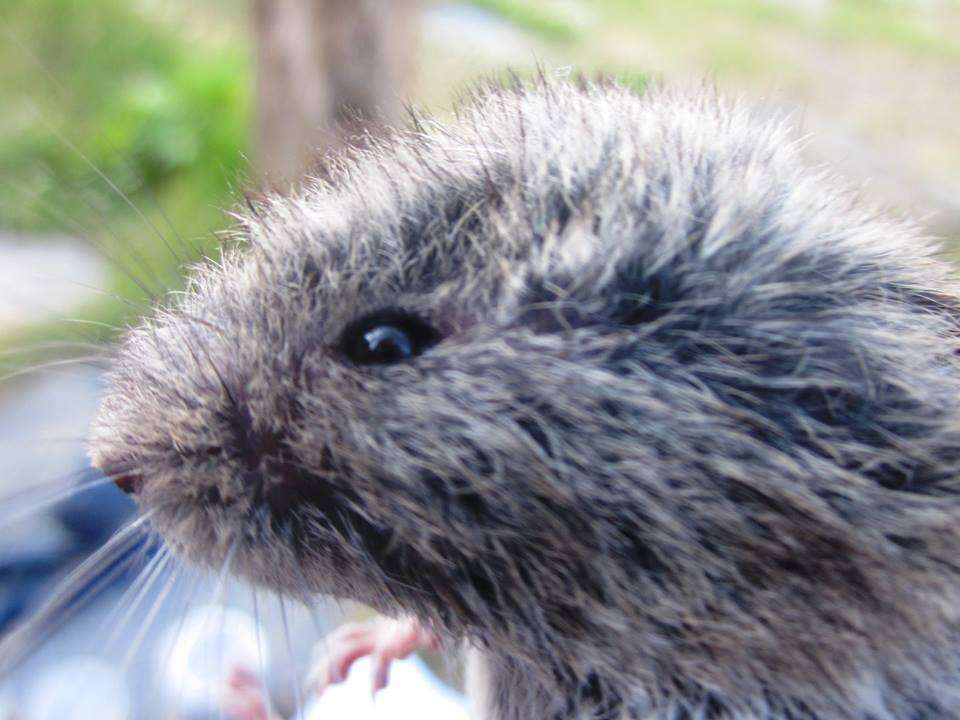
(384, 640)
(243, 698)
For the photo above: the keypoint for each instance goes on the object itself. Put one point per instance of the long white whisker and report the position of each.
(92, 323)
(67, 480)
(298, 699)
(18, 513)
(310, 606)
(88, 235)
(107, 181)
(134, 595)
(225, 570)
(189, 246)
(49, 345)
(151, 616)
(264, 685)
(44, 440)
(92, 360)
(206, 648)
(191, 595)
(66, 600)
(138, 257)
(218, 601)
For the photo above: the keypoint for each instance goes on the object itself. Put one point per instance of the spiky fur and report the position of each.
(688, 447)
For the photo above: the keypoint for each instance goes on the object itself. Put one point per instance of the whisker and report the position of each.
(174, 639)
(298, 700)
(264, 685)
(35, 486)
(151, 616)
(49, 345)
(225, 570)
(14, 39)
(220, 592)
(133, 595)
(192, 248)
(44, 440)
(206, 649)
(88, 236)
(144, 265)
(130, 247)
(222, 671)
(318, 624)
(67, 599)
(93, 323)
(15, 514)
(135, 306)
(102, 292)
(106, 180)
(53, 364)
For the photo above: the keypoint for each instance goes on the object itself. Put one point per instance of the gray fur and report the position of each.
(688, 447)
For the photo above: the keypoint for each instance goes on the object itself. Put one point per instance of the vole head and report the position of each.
(603, 377)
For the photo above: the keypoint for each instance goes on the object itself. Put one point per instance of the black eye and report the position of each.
(386, 337)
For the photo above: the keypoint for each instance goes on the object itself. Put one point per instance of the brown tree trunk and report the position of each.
(324, 69)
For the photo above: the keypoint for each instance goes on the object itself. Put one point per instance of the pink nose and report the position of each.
(127, 480)
(128, 483)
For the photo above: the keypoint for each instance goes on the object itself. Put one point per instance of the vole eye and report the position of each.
(386, 337)
(387, 344)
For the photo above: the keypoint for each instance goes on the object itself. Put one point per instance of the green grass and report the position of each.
(104, 87)
(726, 29)
(896, 25)
(537, 17)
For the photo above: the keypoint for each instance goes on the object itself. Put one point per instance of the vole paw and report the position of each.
(244, 697)
(384, 640)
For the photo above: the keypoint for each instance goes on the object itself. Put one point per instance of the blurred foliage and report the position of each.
(537, 17)
(156, 96)
(892, 23)
(137, 101)
(896, 23)
(105, 92)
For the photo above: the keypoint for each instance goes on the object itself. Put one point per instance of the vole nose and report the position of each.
(128, 483)
(123, 477)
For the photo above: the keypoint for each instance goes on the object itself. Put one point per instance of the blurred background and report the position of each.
(129, 128)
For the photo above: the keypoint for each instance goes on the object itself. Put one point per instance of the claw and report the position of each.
(383, 640)
(243, 696)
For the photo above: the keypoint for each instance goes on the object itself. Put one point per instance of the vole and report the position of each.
(610, 386)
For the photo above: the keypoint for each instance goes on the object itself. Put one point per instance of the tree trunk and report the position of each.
(325, 70)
